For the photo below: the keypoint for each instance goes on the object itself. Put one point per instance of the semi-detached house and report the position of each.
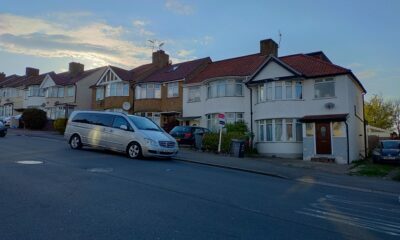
(300, 105)
(159, 96)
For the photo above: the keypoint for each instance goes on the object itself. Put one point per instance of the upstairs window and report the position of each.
(35, 91)
(70, 91)
(117, 89)
(173, 89)
(99, 93)
(194, 94)
(148, 91)
(279, 90)
(55, 92)
(225, 88)
(324, 88)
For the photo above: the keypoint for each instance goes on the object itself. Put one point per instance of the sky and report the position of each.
(362, 35)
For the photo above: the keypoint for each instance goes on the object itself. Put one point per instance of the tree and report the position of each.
(379, 112)
(396, 114)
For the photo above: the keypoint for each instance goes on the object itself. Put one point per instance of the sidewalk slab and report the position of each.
(327, 174)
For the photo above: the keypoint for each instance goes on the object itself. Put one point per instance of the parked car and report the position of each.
(136, 136)
(185, 134)
(3, 129)
(388, 151)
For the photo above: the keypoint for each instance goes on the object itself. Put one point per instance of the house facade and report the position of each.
(68, 91)
(160, 95)
(299, 106)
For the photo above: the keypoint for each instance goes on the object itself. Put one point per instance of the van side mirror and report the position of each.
(123, 127)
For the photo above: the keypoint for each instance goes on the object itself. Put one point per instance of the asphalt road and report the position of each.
(93, 194)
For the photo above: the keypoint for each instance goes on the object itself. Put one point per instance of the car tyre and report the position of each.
(3, 134)
(75, 142)
(134, 151)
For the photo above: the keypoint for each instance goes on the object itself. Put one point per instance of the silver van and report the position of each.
(136, 136)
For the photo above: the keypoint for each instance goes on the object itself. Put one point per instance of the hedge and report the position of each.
(210, 141)
(60, 124)
(34, 118)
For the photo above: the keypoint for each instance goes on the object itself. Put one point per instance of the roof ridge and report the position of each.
(228, 59)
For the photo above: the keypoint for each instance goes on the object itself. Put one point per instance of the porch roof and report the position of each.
(324, 118)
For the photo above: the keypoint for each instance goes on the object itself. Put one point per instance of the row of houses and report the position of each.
(300, 105)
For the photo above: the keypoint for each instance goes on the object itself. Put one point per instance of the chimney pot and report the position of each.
(268, 47)
(2, 76)
(31, 72)
(76, 68)
(160, 58)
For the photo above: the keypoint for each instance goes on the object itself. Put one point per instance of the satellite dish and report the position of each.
(126, 106)
(329, 105)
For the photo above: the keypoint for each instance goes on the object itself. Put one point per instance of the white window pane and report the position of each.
(324, 89)
(278, 90)
(299, 90)
(299, 131)
(289, 130)
(278, 130)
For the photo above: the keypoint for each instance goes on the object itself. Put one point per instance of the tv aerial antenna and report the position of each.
(280, 38)
(155, 44)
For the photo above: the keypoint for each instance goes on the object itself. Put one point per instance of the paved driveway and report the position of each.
(91, 194)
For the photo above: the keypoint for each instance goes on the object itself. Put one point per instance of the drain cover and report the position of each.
(100, 170)
(29, 162)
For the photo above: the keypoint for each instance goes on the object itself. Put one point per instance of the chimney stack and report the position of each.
(76, 68)
(31, 72)
(2, 76)
(160, 58)
(268, 47)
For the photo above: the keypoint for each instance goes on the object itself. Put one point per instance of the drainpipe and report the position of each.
(365, 128)
(251, 114)
(348, 144)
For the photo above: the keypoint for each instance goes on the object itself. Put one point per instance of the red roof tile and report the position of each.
(66, 78)
(311, 66)
(240, 66)
(176, 71)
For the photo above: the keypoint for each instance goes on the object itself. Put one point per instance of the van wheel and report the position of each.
(75, 142)
(134, 150)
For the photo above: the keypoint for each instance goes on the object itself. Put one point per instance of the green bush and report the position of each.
(239, 127)
(210, 141)
(60, 124)
(34, 118)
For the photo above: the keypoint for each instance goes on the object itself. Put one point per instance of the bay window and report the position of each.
(289, 90)
(278, 90)
(117, 89)
(55, 92)
(194, 94)
(148, 91)
(324, 88)
(299, 90)
(35, 91)
(279, 130)
(230, 117)
(225, 88)
(173, 89)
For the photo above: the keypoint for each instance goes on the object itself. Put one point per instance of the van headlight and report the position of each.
(151, 142)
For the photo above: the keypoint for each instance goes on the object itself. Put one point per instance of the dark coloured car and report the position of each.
(186, 134)
(3, 129)
(388, 151)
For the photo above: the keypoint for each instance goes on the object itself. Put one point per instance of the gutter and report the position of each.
(348, 143)
(251, 114)
(365, 129)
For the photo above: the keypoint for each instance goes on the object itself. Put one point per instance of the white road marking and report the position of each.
(383, 218)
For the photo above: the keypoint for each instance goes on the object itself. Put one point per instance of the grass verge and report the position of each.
(367, 168)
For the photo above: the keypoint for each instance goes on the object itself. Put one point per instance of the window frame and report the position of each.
(320, 82)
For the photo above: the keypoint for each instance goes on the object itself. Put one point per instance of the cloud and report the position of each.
(139, 23)
(370, 73)
(178, 7)
(206, 40)
(96, 43)
(185, 53)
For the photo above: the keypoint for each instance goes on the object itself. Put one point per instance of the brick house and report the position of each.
(159, 96)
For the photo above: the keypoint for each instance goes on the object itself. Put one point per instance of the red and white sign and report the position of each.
(221, 119)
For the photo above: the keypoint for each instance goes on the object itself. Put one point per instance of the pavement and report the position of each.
(49, 191)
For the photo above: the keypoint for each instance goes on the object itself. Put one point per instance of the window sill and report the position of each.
(224, 97)
(193, 101)
(281, 100)
(172, 97)
(279, 141)
(323, 98)
(148, 99)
